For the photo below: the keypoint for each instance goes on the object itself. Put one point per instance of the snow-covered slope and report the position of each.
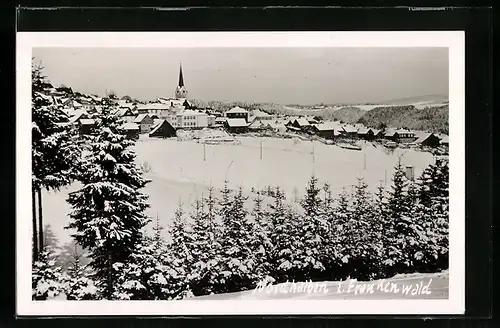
(179, 172)
(413, 286)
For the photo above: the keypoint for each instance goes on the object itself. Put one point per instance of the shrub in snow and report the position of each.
(108, 211)
(142, 277)
(77, 283)
(45, 278)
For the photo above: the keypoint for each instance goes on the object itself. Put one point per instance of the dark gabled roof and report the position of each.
(236, 122)
(423, 136)
(140, 117)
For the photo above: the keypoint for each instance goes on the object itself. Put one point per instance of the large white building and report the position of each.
(190, 119)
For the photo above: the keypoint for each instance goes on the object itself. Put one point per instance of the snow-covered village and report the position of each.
(180, 197)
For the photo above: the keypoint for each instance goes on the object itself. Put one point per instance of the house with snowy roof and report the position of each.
(390, 134)
(300, 124)
(257, 125)
(86, 125)
(236, 125)
(276, 127)
(145, 122)
(162, 129)
(160, 109)
(220, 121)
(404, 135)
(130, 130)
(327, 130)
(426, 139)
(377, 134)
(237, 112)
(125, 114)
(366, 133)
(76, 115)
(349, 130)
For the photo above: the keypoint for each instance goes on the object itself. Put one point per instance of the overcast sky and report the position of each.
(280, 75)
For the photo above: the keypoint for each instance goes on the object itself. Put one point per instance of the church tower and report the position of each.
(180, 91)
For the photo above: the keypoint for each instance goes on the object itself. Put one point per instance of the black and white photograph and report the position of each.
(240, 173)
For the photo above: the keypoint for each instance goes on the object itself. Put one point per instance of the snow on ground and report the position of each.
(179, 172)
(414, 286)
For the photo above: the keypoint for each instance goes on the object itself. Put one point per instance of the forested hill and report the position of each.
(344, 114)
(432, 119)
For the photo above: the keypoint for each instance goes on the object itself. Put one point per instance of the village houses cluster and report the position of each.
(165, 116)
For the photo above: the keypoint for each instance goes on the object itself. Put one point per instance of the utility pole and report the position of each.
(261, 150)
(313, 153)
(364, 161)
(204, 152)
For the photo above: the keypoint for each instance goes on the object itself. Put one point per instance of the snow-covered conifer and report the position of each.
(54, 147)
(46, 277)
(238, 265)
(178, 257)
(312, 253)
(284, 238)
(204, 249)
(77, 284)
(109, 210)
(260, 241)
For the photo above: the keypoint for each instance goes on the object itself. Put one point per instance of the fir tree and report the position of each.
(311, 254)
(210, 211)
(364, 242)
(53, 147)
(179, 257)
(283, 236)
(51, 243)
(260, 242)
(238, 263)
(204, 248)
(108, 211)
(434, 210)
(398, 222)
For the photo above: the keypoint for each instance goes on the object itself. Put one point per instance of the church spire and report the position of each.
(181, 79)
(180, 91)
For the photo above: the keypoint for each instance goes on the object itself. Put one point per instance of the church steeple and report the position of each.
(180, 91)
(181, 79)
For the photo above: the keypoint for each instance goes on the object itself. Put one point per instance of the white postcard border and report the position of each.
(454, 40)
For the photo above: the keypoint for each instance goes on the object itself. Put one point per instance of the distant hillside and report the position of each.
(223, 106)
(431, 99)
(344, 114)
(433, 119)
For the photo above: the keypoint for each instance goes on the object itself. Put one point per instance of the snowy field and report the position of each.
(182, 171)
(413, 286)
